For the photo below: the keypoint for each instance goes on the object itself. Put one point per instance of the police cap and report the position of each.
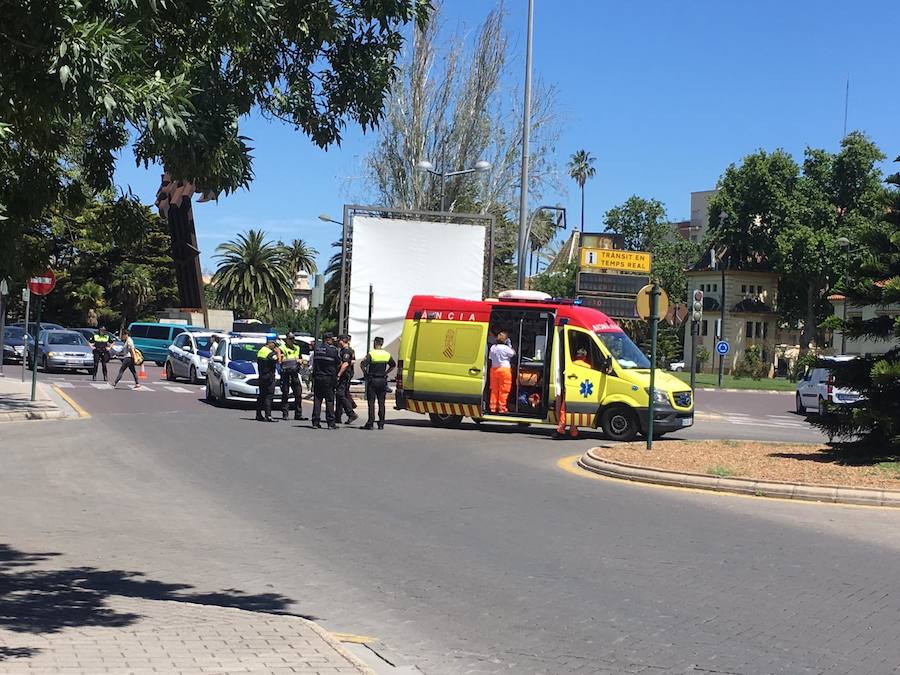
(328, 336)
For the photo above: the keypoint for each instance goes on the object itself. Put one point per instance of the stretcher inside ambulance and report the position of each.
(570, 361)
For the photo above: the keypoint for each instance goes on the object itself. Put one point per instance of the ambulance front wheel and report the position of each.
(445, 421)
(619, 423)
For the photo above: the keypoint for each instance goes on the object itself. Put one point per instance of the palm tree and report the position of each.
(88, 297)
(132, 284)
(581, 168)
(301, 257)
(253, 275)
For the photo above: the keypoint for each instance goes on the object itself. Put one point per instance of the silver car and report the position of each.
(62, 350)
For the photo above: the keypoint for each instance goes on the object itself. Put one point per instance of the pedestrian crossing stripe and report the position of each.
(444, 408)
(64, 385)
(101, 385)
(178, 390)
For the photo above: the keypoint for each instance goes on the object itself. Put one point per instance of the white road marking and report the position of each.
(177, 390)
(62, 384)
(101, 385)
(143, 387)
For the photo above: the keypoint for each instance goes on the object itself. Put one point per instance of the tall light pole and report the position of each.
(526, 132)
(424, 165)
(342, 305)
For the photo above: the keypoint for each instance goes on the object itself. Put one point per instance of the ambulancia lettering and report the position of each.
(451, 316)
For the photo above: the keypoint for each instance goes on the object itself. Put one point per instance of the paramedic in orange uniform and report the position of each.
(501, 372)
(581, 358)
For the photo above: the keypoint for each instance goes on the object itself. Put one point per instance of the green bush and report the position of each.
(751, 364)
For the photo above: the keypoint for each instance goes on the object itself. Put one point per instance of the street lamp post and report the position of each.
(844, 243)
(526, 132)
(424, 165)
(342, 305)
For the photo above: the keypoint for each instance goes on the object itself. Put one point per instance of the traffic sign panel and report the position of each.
(42, 285)
(612, 259)
(623, 284)
(642, 302)
(722, 347)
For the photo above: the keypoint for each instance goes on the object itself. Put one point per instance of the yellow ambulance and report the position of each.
(443, 366)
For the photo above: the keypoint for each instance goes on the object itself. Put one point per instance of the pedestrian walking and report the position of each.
(501, 373)
(290, 377)
(376, 367)
(343, 400)
(266, 359)
(101, 341)
(326, 359)
(129, 358)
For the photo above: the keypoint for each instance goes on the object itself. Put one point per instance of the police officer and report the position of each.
(376, 367)
(325, 369)
(101, 342)
(344, 402)
(290, 377)
(266, 359)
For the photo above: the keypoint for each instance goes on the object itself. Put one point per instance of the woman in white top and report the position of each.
(501, 373)
(128, 359)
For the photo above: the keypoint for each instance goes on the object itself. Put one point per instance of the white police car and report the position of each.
(232, 374)
(188, 356)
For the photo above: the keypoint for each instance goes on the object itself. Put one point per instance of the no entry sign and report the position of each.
(43, 284)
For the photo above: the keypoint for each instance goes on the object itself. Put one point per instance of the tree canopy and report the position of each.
(645, 227)
(78, 80)
(253, 275)
(770, 210)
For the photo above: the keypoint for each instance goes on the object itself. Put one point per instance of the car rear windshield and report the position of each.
(66, 339)
(624, 351)
(244, 351)
(204, 343)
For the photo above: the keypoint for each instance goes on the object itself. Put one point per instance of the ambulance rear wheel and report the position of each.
(445, 421)
(619, 423)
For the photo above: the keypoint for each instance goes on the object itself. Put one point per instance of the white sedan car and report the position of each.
(189, 356)
(232, 374)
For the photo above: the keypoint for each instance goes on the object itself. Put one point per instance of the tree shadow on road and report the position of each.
(37, 599)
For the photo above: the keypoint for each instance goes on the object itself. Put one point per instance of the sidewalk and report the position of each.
(138, 636)
(16, 403)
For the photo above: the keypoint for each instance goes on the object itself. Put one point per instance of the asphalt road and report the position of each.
(459, 550)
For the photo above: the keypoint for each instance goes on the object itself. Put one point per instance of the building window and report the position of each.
(748, 330)
(765, 329)
(759, 290)
(743, 288)
(758, 329)
(715, 288)
(704, 328)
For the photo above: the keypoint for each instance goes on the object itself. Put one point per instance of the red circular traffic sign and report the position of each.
(43, 284)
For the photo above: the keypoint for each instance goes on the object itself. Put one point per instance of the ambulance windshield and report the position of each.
(624, 350)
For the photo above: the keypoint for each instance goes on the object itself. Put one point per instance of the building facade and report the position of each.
(750, 298)
(862, 346)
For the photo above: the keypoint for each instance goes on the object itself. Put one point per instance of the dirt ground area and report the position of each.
(784, 462)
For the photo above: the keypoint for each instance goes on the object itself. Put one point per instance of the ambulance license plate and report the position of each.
(687, 422)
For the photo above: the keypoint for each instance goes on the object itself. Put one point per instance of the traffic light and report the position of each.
(697, 306)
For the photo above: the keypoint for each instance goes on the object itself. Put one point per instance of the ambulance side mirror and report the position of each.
(606, 366)
(218, 359)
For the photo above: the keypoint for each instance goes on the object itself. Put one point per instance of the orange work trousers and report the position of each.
(501, 385)
(561, 425)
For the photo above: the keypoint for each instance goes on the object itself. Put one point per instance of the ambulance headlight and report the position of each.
(660, 396)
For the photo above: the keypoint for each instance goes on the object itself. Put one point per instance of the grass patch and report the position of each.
(720, 471)
(731, 382)
(892, 469)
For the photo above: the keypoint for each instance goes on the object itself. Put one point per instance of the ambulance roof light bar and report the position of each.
(521, 295)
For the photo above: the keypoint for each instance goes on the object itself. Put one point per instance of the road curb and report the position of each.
(339, 648)
(72, 403)
(834, 494)
(747, 391)
(21, 416)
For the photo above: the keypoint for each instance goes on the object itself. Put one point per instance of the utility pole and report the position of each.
(654, 324)
(4, 291)
(526, 131)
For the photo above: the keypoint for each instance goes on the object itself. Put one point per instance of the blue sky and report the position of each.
(664, 94)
